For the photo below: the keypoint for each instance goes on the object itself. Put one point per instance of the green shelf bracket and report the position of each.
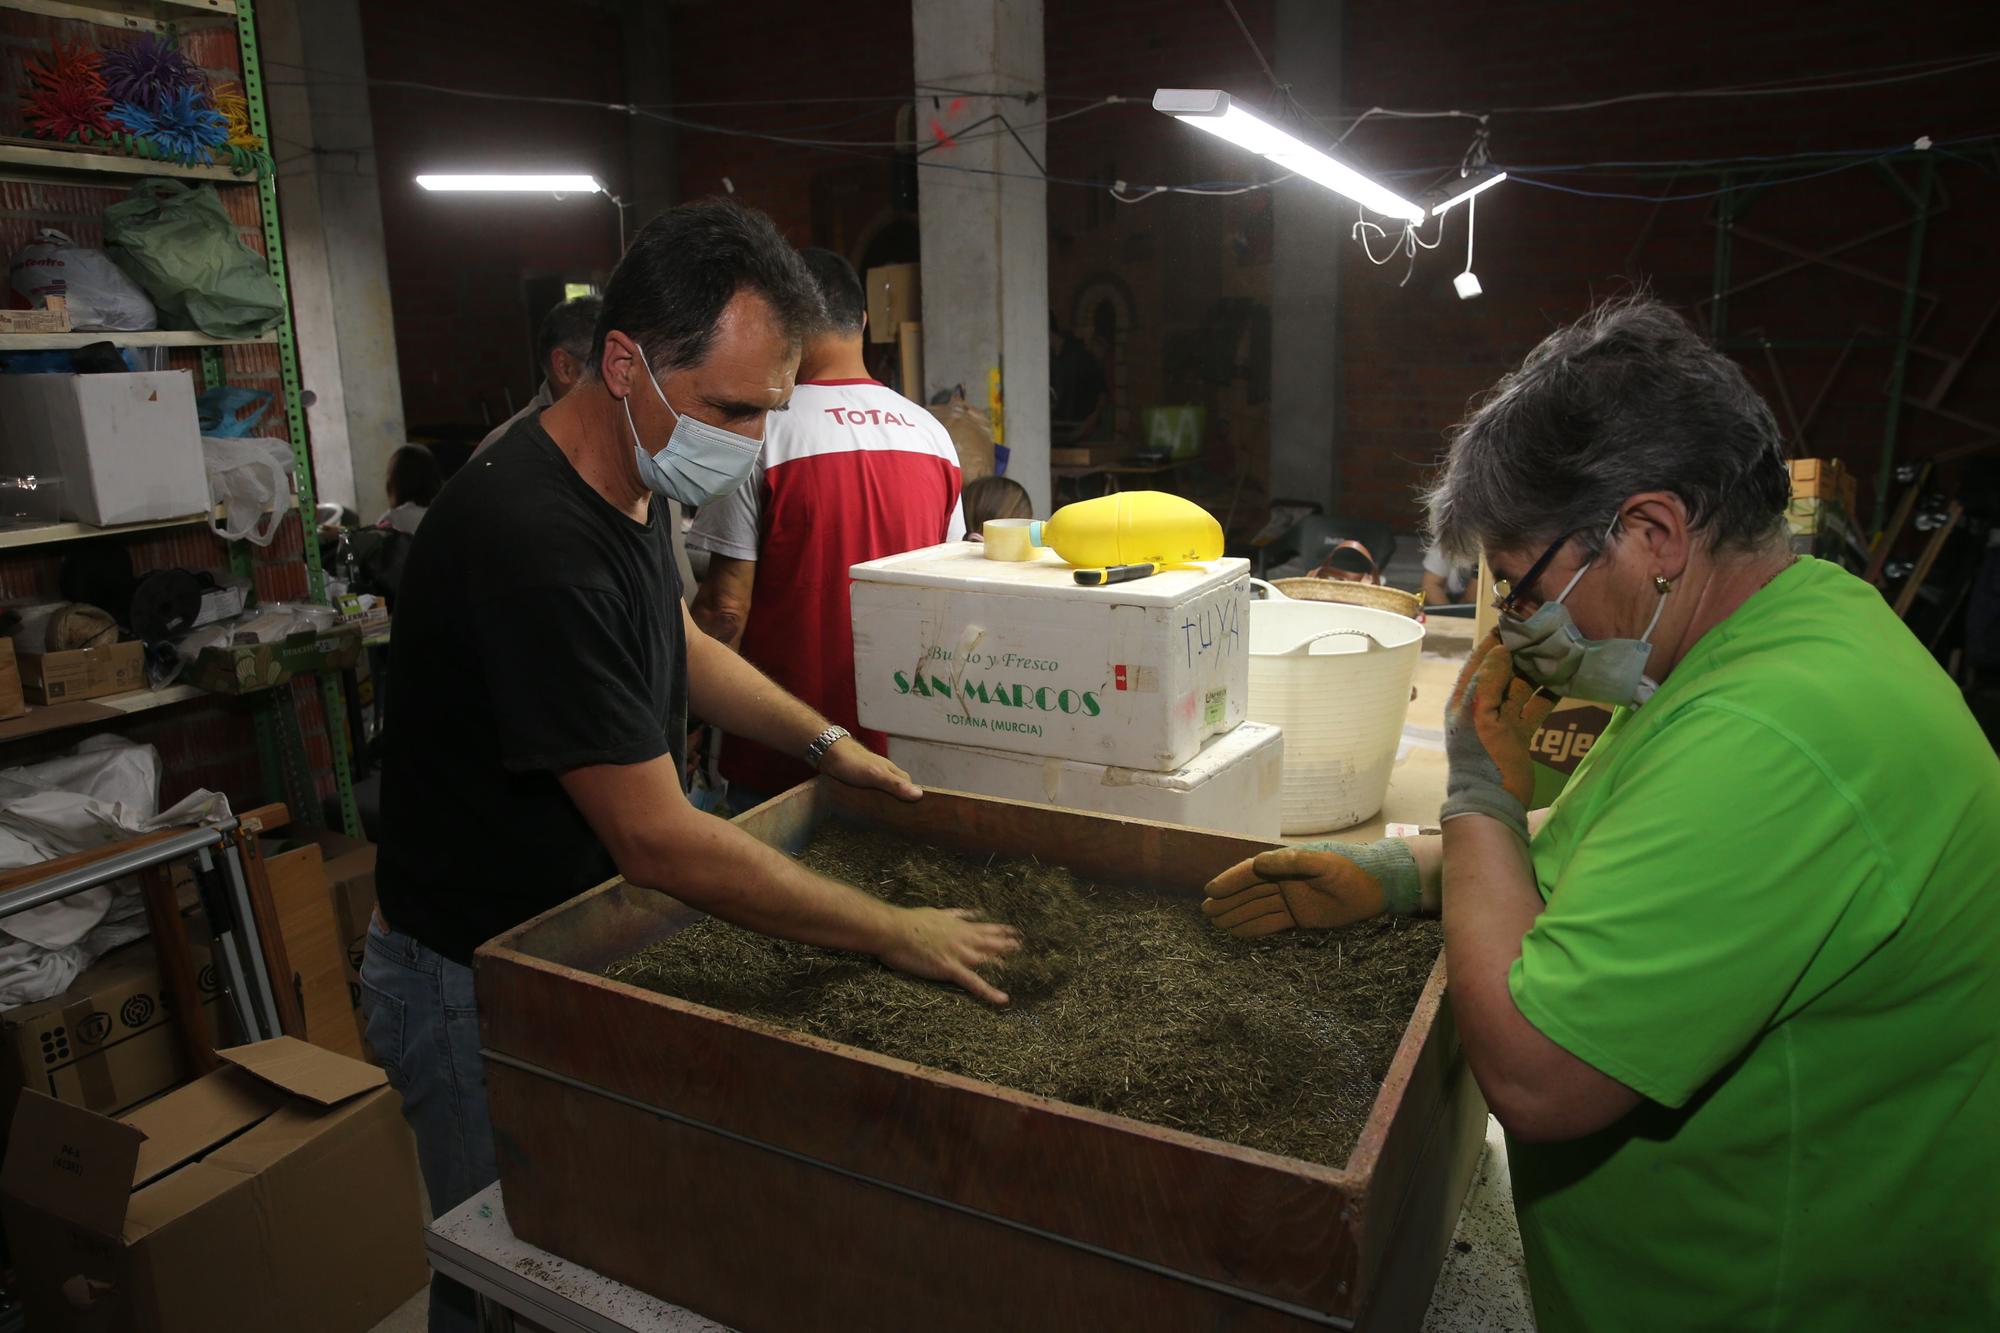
(278, 734)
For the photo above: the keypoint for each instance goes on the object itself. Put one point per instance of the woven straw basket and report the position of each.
(1356, 594)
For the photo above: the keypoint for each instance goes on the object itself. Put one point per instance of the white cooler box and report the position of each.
(126, 448)
(950, 646)
(1233, 786)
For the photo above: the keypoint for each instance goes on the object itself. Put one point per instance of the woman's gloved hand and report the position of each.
(1318, 886)
(1488, 726)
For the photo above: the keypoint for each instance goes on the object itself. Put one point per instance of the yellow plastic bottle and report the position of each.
(1132, 528)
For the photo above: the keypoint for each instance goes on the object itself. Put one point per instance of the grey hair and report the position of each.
(1627, 399)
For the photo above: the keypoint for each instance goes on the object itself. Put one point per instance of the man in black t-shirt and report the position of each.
(545, 668)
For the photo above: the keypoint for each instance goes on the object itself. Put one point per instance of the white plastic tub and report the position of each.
(1336, 678)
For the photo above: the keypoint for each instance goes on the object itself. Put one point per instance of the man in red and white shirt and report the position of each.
(850, 471)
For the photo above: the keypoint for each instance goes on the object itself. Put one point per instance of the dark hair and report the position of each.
(570, 325)
(994, 497)
(414, 476)
(839, 288)
(670, 289)
(1627, 399)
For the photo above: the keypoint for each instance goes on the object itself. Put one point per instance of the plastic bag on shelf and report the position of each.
(250, 483)
(182, 247)
(100, 295)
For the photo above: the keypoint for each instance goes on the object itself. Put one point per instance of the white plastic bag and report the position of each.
(100, 295)
(250, 480)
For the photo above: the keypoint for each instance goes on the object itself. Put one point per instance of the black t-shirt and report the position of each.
(539, 630)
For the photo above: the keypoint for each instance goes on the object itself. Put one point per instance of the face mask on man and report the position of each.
(699, 461)
(1551, 652)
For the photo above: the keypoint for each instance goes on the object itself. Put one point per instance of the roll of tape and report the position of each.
(1007, 539)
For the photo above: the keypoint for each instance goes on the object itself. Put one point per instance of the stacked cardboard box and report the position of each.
(1007, 679)
(279, 1192)
(108, 1042)
(1821, 513)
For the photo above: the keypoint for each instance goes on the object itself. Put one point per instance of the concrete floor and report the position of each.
(409, 1317)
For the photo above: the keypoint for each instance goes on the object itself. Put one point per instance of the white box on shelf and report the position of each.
(950, 646)
(1234, 785)
(126, 447)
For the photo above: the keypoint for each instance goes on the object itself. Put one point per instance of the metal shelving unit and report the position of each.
(41, 342)
(279, 736)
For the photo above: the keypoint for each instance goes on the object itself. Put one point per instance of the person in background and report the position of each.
(1077, 394)
(993, 497)
(853, 471)
(414, 481)
(1447, 582)
(546, 669)
(562, 348)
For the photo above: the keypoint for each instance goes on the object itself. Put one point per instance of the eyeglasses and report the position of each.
(1506, 598)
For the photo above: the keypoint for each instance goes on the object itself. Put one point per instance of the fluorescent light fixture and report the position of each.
(513, 184)
(1211, 110)
(1466, 187)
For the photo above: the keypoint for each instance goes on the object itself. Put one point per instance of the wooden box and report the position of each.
(775, 1181)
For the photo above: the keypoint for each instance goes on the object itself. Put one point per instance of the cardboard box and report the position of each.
(350, 881)
(950, 646)
(13, 701)
(52, 317)
(1561, 742)
(108, 1042)
(1825, 479)
(279, 1192)
(83, 673)
(895, 296)
(127, 448)
(1232, 786)
(259, 666)
(313, 946)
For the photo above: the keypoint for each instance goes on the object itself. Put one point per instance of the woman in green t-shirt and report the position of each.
(1733, 995)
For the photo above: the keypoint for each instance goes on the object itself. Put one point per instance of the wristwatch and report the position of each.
(826, 740)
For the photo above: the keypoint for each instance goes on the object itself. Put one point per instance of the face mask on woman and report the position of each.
(1551, 652)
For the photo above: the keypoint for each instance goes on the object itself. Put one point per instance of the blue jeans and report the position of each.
(425, 1032)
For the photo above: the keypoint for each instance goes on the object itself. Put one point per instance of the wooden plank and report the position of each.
(16, 342)
(311, 936)
(27, 159)
(270, 936)
(566, 1175)
(1295, 1232)
(1932, 549)
(176, 963)
(1886, 539)
(21, 876)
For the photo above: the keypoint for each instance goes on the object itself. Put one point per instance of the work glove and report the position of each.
(1488, 726)
(1318, 885)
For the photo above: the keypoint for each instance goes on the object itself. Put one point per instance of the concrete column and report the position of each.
(1309, 236)
(332, 214)
(985, 238)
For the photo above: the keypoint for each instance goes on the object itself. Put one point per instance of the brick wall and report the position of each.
(1412, 357)
(457, 263)
(1183, 280)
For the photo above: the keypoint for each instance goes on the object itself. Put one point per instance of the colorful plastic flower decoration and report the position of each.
(66, 97)
(235, 109)
(184, 128)
(149, 72)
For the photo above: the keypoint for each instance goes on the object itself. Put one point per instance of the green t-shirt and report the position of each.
(1773, 909)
